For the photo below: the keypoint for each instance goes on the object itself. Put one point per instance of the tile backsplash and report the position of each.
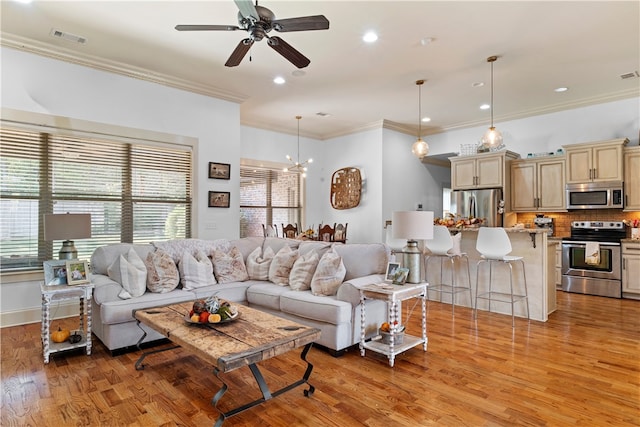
(562, 220)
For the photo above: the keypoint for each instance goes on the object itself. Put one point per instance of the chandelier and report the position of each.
(492, 139)
(297, 166)
(420, 148)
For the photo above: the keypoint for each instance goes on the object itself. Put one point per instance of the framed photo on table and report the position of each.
(392, 269)
(77, 272)
(55, 272)
(401, 276)
(219, 199)
(219, 170)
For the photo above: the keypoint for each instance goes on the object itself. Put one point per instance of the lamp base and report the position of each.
(412, 259)
(68, 250)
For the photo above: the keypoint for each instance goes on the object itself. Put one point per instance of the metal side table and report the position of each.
(63, 293)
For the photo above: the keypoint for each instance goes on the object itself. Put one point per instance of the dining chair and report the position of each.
(290, 231)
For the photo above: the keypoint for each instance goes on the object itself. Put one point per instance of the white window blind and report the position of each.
(135, 193)
(268, 196)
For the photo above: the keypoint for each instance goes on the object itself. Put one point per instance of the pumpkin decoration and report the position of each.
(61, 335)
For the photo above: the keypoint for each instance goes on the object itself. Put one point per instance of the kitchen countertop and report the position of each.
(627, 240)
(507, 229)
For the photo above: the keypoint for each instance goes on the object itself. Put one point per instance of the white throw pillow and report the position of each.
(131, 273)
(162, 273)
(229, 266)
(457, 239)
(329, 274)
(302, 271)
(280, 267)
(196, 271)
(258, 263)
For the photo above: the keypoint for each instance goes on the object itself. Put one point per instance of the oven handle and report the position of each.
(573, 242)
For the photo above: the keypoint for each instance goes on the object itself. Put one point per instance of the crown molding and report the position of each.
(56, 52)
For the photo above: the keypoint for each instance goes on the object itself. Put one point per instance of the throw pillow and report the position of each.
(455, 250)
(229, 266)
(280, 267)
(258, 263)
(162, 273)
(302, 271)
(131, 273)
(196, 271)
(329, 274)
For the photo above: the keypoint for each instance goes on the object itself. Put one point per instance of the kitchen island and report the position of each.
(539, 259)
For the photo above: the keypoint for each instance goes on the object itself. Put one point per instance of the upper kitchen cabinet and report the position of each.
(595, 162)
(538, 185)
(632, 178)
(486, 170)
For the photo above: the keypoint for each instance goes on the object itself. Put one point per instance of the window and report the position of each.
(268, 196)
(135, 193)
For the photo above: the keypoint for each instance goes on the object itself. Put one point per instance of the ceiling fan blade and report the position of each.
(286, 50)
(303, 23)
(207, 27)
(247, 9)
(239, 52)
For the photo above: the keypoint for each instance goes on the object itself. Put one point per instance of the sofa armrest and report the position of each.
(106, 289)
(349, 291)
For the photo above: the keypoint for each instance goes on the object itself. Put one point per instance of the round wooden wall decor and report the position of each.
(346, 187)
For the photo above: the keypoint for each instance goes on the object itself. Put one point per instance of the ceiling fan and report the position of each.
(258, 21)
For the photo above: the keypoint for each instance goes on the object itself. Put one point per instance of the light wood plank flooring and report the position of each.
(582, 368)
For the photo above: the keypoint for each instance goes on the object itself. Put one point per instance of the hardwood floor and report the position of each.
(581, 368)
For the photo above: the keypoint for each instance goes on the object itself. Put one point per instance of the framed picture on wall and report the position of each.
(219, 199)
(219, 170)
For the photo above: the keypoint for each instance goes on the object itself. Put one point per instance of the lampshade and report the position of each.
(492, 137)
(67, 227)
(420, 148)
(412, 225)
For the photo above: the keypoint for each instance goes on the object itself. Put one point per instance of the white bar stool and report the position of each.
(441, 247)
(494, 245)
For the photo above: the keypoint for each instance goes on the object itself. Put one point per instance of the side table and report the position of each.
(393, 295)
(62, 293)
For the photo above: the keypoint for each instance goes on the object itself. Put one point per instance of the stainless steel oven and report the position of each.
(599, 275)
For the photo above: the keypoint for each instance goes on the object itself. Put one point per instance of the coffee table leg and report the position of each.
(264, 388)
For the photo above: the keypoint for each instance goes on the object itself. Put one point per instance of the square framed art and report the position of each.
(219, 199)
(219, 170)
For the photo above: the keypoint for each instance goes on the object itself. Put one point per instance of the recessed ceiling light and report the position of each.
(279, 80)
(427, 40)
(370, 37)
(561, 89)
(23, 1)
(477, 84)
(485, 106)
(426, 119)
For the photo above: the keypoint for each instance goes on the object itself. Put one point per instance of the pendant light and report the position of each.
(297, 166)
(420, 148)
(493, 137)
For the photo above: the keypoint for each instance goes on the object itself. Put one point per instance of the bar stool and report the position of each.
(494, 245)
(441, 247)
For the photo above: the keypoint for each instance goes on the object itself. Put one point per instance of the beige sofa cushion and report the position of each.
(258, 263)
(229, 266)
(162, 272)
(281, 265)
(328, 275)
(130, 272)
(302, 271)
(196, 271)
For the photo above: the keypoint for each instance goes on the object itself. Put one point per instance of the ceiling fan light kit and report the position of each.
(258, 21)
(492, 139)
(420, 148)
(297, 166)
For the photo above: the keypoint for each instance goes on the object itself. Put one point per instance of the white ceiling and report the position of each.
(583, 45)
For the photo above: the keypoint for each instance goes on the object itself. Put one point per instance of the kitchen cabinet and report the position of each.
(631, 269)
(538, 185)
(486, 170)
(595, 162)
(632, 178)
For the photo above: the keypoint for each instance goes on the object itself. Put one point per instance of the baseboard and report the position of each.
(60, 310)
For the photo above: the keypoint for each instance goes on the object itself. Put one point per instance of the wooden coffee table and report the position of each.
(253, 337)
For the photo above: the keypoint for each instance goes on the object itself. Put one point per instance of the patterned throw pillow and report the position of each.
(258, 263)
(302, 271)
(162, 273)
(196, 271)
(131, 273)
(329, 274)
(229, 266)
(177, 247)
(280, 267)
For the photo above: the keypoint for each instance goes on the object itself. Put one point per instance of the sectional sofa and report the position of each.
(319, 289)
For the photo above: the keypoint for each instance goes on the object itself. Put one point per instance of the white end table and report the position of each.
(393, 295)
(62, 293)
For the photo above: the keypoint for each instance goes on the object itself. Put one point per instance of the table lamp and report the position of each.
(66, 227)
(413, 226)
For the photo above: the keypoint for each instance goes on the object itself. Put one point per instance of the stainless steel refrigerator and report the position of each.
(487, 204)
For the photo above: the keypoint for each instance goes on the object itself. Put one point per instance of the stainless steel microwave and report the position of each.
(595, 195)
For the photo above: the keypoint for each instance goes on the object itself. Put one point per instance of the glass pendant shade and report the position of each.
(492, 137)
(420, 148)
